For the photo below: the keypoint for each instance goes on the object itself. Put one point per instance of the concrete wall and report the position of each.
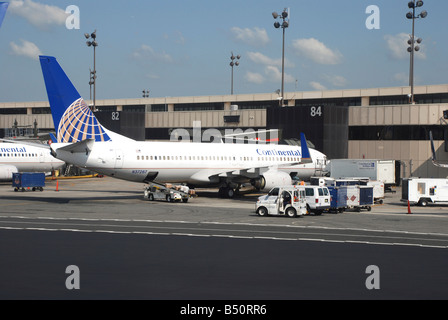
(210, 119)
(415, 154)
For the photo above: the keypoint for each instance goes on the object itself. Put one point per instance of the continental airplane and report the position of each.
(24, 157)
(84, 142)
(433, 158)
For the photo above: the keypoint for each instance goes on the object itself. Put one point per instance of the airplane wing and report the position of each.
(83, 146)
(31, 144)
(433, 158)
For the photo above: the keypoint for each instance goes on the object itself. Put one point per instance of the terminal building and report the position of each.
(375, 123)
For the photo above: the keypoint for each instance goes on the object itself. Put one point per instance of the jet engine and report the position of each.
(6, 172)
(271, 179)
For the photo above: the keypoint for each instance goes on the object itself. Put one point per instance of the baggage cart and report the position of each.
(28, 181)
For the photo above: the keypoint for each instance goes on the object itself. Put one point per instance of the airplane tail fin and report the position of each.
(73, 119)
(306, 155)
(3, 7)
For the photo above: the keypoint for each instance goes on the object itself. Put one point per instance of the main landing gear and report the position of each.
(227, 191)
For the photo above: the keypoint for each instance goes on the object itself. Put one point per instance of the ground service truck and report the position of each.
(423, 191)
(386, 171)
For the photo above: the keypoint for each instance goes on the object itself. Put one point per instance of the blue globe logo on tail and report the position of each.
(78, 123)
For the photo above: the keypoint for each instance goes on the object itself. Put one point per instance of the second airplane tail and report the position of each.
(306, 155)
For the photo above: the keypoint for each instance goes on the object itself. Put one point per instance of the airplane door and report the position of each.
(118, 159)
(41, 157)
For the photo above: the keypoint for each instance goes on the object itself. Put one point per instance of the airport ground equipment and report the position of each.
(338, 201)
(423, 191)
(386, 171)
(28, 181)
(359, 197)
(168, 192)
(285, 200)
(317, 198)
(378, 186)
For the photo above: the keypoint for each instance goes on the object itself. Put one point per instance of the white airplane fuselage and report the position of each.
(26, 158)
(194, 163)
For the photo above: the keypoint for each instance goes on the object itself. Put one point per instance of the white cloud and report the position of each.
(177, 37)
(27, 49)
(316, 51)
(317, 86)
(398, 45)
(401, 78)
(271, 69)
(145, 52)
(253, 77)
(260, 58)
(337, 81)
(254, 37)
(39, 15)
(274, 74)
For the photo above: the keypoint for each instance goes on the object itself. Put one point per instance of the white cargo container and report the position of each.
(425, 190)
(377, 170)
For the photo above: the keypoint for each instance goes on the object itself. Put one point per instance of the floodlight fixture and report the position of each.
(232, 64)
(283, 25)
(412, 46)
(92, 43)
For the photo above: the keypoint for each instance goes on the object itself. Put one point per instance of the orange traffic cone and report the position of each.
(409, 208)
(57, 185)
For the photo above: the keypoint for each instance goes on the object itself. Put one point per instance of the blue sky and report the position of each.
(183, 48)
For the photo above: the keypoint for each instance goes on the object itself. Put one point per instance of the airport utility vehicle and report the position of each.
(317, 198)
(285, 200)
(423, 191)
(167, 192)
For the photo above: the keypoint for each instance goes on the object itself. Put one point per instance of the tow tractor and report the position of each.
(155, 191)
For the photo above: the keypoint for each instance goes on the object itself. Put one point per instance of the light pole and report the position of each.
(284, 25)
(236, 63)
(94, 44)
(411, 15)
